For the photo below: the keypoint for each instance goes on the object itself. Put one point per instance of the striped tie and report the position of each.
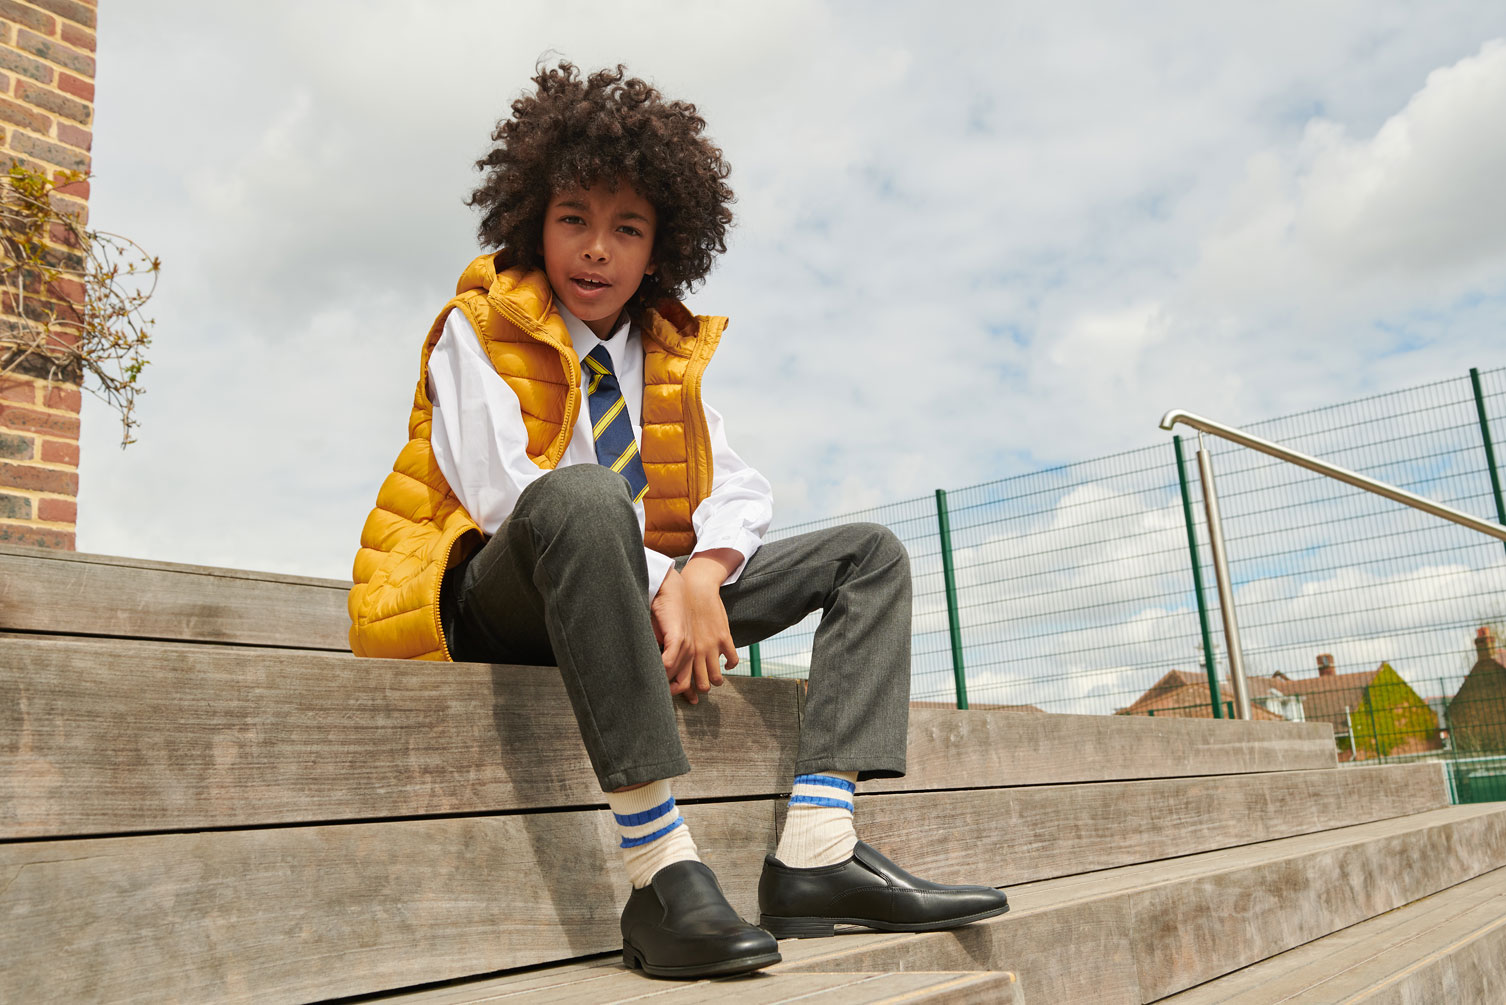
(610, 424)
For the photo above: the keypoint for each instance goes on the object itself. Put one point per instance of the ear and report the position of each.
(652, 267)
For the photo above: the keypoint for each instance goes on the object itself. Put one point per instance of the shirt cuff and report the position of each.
(658, 567)
(740, 540)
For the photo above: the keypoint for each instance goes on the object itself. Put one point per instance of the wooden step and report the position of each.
(70, 593)
(603, 982)
(1449, 947)
(1143, 932)
(1004, 837)
(411, 901)
(102, 737)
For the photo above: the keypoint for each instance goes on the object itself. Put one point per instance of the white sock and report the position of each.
(653, 832)
(818, 828)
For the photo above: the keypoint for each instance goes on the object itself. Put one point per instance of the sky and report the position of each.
(969, 245)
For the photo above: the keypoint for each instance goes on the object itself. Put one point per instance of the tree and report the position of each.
(71, 297)
(1390, 715)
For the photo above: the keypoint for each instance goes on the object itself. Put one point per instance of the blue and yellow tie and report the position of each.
(610, 424)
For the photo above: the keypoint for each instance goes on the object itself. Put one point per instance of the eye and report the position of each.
(571, 218)
(630, 229)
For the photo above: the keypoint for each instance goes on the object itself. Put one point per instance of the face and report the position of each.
(598, 246)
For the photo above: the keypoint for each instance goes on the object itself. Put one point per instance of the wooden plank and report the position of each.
(954, 749)
(1450, 947)
(305, 913)
(100, 738)
(609, 984)
(1004, 837)
(73, 594)
(1140, 933)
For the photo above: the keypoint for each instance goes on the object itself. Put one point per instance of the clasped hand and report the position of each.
(690, 623)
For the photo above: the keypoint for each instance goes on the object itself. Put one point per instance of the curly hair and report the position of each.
(610, 129)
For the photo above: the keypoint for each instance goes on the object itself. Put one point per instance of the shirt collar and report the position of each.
(582, 337)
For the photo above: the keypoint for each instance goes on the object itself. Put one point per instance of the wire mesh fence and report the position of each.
(1075, 589)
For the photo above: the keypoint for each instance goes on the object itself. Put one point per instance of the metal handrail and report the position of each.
(1359, 481)
(1216, 531)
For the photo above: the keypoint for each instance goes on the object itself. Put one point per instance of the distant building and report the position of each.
(1185, 695)
(1477, 715)
(1386, 715)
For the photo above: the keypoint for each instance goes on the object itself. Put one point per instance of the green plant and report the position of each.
(71, 297)
(1390, 714)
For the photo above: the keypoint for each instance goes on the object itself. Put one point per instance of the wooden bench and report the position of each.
(204, 798)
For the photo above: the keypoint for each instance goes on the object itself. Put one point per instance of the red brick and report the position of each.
(79, 38)
(15, 507)
(75, 189)
(71, 290)
(50, 100)
(65, 397)
(60, 452)
(75, 137)
(55, 52)
(70, 9)
(13, 61)
(76, 86)
(24, 420)
(36, 537)
(29, 476)
(57, 510)
(57, 233)
(31, 17)
(18, 389)
(18, 448)
(26, 118)
(53, 153)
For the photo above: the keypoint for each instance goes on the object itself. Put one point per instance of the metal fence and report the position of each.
(1074, 587)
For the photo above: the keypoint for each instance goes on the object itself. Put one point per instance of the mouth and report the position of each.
(589, 283)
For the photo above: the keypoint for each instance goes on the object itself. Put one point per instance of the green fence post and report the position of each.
(1374, 732)
(755, 663)
(1197, 583)
(1490, 450)
(959, 674)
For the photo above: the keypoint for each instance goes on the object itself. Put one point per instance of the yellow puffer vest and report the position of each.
(418, 528)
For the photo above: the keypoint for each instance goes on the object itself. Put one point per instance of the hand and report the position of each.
(667, 612)
(708, 635)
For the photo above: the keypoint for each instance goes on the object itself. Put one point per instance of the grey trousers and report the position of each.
(563, 582)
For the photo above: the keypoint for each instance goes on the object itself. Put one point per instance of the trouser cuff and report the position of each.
(640, 773)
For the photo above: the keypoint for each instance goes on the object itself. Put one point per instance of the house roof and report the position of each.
(1323, 698)
(1189, 700)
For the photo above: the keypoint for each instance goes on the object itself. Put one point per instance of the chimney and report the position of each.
(1485, 644)
(1325, 665)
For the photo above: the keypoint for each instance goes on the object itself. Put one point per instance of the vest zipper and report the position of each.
(444, 566)
(571, 366)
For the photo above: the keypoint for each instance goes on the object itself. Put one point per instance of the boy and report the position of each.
(566, 498)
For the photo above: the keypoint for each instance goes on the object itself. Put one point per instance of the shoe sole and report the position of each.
(825, 928)
(633, 960)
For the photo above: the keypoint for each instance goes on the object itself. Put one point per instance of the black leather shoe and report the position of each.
(681, 925)
(868, 890)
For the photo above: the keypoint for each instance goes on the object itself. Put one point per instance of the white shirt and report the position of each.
(480, 442)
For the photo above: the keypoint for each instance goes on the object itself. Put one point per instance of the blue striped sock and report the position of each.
(652, 832)
(818, 827)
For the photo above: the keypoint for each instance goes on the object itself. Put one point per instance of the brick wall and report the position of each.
(46, 115)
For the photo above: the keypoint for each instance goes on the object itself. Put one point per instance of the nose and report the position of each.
(595, 247)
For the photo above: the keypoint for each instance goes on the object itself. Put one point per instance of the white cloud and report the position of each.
(967, 245)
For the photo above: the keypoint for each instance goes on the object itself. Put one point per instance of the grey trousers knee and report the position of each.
(563, 582)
